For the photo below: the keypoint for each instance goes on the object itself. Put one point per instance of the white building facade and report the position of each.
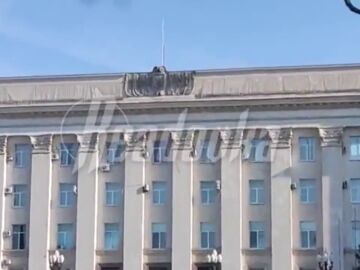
(157, 170)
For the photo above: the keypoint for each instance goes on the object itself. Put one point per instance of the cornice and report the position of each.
(41, 143)
(135, 141)
(280, 138)
(331, 136)
(182, 139)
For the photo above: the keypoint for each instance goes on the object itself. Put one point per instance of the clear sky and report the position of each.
(94, 36)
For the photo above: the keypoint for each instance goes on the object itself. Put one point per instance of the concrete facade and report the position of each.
(156, 170)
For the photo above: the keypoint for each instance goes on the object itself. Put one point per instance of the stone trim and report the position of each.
(182, 139)
(231, 138)
(135, 141)
(88, 142)
(280, 138)
(3, 145)
(41, 144)
(331, 136)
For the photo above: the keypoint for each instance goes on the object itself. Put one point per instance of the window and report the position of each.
(256, 191)
(113, 153)
(355, 233)
(257, 235)
(355, 147)
(207, 235)
(355, 190)
(158, 236)
(159, 152)
(65, 236)
(66, 196)
(307, 148)
(259, 150)
(207, 153)
(18, 237)
(112, 236)
(159, 193)
(208, 192)
(67, 154)
(22, 152)
(19, 196)
(307, 190)
(113, 194)
(308, 235)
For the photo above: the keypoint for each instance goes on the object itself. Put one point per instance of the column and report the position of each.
(134, 201)
(182, 195)
(231, 229)
(40, 192)
(281, 203)
(87, 201)
(332, 178)
(3, 143)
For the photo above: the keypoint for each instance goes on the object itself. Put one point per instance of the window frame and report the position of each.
(22, 195)
(116, 150)
(255, 146)
(208, 194)
(23, 152)
(20, 235)
(310, 144)
(69, 150)
(159, 192)
(159, 152)
(259, 235)
(114, 236)
(357, 156)
(66, 235)
(308, 190)
(308, 233)
(158, 230)
(113, 193)
(70, 199)
(352, 188)
(207, 235)
(257, 191)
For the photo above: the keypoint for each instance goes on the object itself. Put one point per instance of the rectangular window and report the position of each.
(256, 191)
(307, 190)
(208, 192)
(65, 236)
(113, 153)
(67, 154)
(19, 196)
(307, 148)
(158, 236)
(18, 237)
(355, 190)
(159, 152)
(308, 235)
(257, 235)
(259, 150)
(66, 195)
(207, 235)
(112, 236)
(159, 192)
(206, 152)
(355, 147)
(22, 153)
(113, 194)
(355, 234)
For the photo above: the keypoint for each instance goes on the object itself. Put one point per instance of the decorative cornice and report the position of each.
(182, 139)
(159, 82)
(231, 138)
(331, 137)
(88, 142)
(3, 144)
(41, 143)
(135, 141)
(280, 138)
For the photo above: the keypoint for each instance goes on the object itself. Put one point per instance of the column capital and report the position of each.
(280, 137)
(135, 141)
(331, 136)
(183, 139)
(41, 143)
(3, 144)
(88, 142)
(231, 138)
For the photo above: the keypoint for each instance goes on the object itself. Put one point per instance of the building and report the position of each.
(156, 170)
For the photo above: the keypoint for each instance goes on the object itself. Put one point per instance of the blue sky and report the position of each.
(95, 36)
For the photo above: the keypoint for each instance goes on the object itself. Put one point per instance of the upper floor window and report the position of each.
(67, 154)
(208, 192)
(22, 153)
(158, 235)
(257, 235)
(308, 235)
(355, 190)
(207, 151)
(207, 235)
(18, 237)
(19, 196)
(159, 152)
(66, 195)
(113, 153)
(113, 194)
(112, 236)
(159, 192)
(355, 147)
(307, 190)
(65, 236)
(256, 191)
(307, 148)
(259, 150)
(355, 233)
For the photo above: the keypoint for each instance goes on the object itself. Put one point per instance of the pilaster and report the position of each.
(3, 146)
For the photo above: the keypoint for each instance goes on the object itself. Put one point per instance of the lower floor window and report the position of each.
(112, 236)
(18, 237)
(207, 235)
(308, 235)
(65, 236)
(158, 236)
(257, 235)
